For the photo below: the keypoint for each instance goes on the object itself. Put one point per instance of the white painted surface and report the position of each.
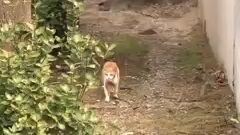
(219, 17)
(237, 55)
(223, 30)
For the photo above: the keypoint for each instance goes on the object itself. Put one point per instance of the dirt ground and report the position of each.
(168, 74)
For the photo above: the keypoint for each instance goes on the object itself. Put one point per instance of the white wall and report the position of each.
(222, 19)
(219, 19)
(237, 56)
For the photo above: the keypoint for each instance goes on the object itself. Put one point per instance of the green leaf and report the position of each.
(8, 96)
(17, 79)
(6, 131)
(96, 62)
(109, 54)
(66, 117)
(41, 131)
(42, 124)
(93, 118)
(29, 25)
(5, 27)
(4, 102)
(65, 87)
(92, 66)
(72, 67)
(89, 76)
(35, 116)
(65, 75)
(77, 38)
(53, 117)
(21, 45)
(51, 58)
(35, 54)
(40, 30)
(61, 126)
(42, 106)
(14, 129)
(23, 119)
(18, 98)
(112, 47)
(58, 39)
(99, 51)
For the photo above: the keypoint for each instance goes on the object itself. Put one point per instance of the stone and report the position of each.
(148, 32)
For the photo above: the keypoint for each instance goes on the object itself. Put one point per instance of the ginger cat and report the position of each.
(110, 78)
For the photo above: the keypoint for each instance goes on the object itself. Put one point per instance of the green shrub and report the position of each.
(33, 99)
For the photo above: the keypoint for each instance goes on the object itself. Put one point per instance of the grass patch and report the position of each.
(129, 46)
(189, 58)
(130, 54)
(193, 52)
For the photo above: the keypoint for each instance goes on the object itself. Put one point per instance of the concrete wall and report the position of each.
(219, 18)
(237, 56)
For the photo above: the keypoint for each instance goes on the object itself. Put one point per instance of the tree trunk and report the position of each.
(15, 11)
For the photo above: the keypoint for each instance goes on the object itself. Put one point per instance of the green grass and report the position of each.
(189, 58)
(129, 46)
(192, 53)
